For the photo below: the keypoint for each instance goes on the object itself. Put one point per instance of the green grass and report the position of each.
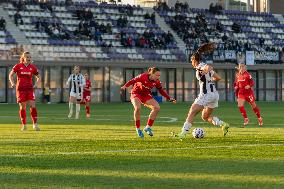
(104, 152)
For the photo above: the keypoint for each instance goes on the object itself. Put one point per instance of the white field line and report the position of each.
(138, 150)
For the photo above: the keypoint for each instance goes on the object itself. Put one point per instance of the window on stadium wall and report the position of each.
(189, 85)
(116, 81)
(55, 83)
(278, 84)
(260, 87)
(230, 85)
(106, 92)
(221, 85)
(171, 82)
(12, 91)
(3, 86)
(282, 85)
(97, 80)
(66, 71)
(39, 87)
(270, 85)
(179, 84)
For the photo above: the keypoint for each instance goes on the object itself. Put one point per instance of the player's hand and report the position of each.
(247, 87)
(172, 100)
(123, 87)
(13, 85)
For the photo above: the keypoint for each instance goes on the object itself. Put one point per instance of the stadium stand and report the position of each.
(229, 29)
(91, 30)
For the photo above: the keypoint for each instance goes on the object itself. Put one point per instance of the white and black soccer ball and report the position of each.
(198, 133)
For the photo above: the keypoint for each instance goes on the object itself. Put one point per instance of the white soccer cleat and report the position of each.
(24, 128)
(246, 121)
(36, 127)
(69, 115)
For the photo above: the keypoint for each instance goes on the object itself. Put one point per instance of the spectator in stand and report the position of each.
(17, 17)
(215, 9)
(2, 24)
(236, 27)
(153, 18)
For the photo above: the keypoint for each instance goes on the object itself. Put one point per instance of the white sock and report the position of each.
(216, 121)
(186, 127)
(77, 110)
(70, 108)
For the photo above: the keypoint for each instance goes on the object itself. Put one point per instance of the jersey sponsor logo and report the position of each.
(26, 73)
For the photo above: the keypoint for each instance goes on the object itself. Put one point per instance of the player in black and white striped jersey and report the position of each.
(76, 81)
(208, 97)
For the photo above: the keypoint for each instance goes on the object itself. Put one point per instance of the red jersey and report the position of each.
(243, 80)
(87, 86)
(143, 85)
(25, 76)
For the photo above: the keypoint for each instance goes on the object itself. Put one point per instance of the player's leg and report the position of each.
(207, 116)
(257, 112)
(193, 111)
(78, 108)
(23, 115)
(87, 108)
(72, 101)
(33, 113)
(241, 102)
(137, 114)
(155, 107)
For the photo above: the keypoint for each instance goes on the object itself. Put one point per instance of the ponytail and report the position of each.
(153, 70)
(204, 48)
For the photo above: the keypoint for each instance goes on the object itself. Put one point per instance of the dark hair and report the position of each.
(153, 70)
(207, 47)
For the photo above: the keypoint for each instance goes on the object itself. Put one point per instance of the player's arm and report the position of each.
(69, 80)
(164, 93)
(83, 82)
(250, 82)
(132, 82)
(37, 76)
(11, 78)
(216, 77)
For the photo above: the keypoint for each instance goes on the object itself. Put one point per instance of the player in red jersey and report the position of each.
(141, 94)
(244, 92)
(25, 71)
(87, 94)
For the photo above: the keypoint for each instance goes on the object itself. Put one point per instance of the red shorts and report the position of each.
(142, 98)
(23, 96)
(87, 98)
(247, 97)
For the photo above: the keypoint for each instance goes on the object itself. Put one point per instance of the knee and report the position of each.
(204, 117)
(137, 109)
(156, 108)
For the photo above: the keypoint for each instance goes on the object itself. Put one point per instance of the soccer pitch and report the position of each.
(104, 151)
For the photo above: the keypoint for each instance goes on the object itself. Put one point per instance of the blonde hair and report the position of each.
(23, 56)
(153, 70)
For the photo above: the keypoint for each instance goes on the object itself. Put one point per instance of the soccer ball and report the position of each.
(198, 133)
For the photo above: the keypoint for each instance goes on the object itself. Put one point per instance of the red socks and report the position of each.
(150, 122)
(243, 111)
(257, 111)
(137, 124)
(87, 109)
(23, 116)
(33, 113)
